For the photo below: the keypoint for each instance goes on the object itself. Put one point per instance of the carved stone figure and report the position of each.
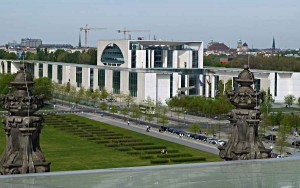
(244, 142)
(22, 153)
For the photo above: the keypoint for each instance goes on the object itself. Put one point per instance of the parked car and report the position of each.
(200, 137)
(270, 137)
(297, 143)
(221, 142)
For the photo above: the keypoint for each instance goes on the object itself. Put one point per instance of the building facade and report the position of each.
(155, 69)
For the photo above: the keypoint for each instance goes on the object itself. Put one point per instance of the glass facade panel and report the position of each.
(59, 73)
(30, 68)
(170, 59)
(40, 70)
(101, 79)
(112, 55)
(158, 58)
(133, 59)
(116, 82)
(50, 71)
(257, 85)
(79, 76)
(91, 78)
(133, 84)
(195, 59)
(193, 82)
(171, 85)
(8, 66)
(235, 84)
(275, 87)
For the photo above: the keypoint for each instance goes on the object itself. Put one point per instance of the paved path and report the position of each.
(155, 133)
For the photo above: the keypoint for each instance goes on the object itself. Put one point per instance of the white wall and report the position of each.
(163, 86)
(150, 85)
(140, 59)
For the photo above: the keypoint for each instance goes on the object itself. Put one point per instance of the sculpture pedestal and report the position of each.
(244, 142)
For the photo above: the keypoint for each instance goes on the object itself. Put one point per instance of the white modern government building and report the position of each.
(156, 69)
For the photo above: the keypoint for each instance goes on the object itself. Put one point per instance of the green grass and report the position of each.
(290, 109)
(67, 151)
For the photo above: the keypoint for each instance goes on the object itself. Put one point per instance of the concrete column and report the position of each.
(36, 70)
(186, 84)
(96, 84)
(108, 80)
(165, 59)
(213, 91)
(85, 78)
(124, 82)
(207, 88)
(73, 76)
(45, 70)
(54, 73)
(152, 59)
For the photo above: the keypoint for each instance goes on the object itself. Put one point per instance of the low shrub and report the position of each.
(102, 141)
(146, 156)
(159, 161)
(123, 149)
(188, 159)
(174, 155)
(136, 143)
(133, 152)
(148, 147)
(112, 145)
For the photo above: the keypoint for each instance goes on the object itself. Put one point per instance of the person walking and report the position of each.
(128, 123)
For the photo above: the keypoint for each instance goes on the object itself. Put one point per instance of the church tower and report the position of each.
(273, 45)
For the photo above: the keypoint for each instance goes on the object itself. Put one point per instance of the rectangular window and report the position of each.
(91, 78)
(59, 74)
(217, 78)
(257, 85)
(50, 71)
(79, 76)
(193, 82)
(40, 70)
(195, 59)
(147, 58)
(116, 82)
(158, 58)
(133, 84)
(30, 68)
(133, 59)
(171, 85)
(101, 79)
(170, 59)
(8, 67)
(275, 87)
(235, 84)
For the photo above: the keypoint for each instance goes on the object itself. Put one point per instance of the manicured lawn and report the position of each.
(71, 142)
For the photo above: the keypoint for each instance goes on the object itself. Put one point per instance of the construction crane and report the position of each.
(125, 31)
(86, 29)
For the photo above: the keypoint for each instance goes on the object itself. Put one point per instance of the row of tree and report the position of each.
(85, 57)
(279, 63)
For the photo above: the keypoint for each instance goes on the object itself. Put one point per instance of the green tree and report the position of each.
(93, 54)
(298, 102)
(104, 93)
(5, 80)
(84, 58)
(289, 100)
(194, 128)
(282, 134)
(11, 56)
(124, 111)
(228, 85)
(135, 112)
(163, 118)
(103, 105)
(149, 117)
(43, 86)
(2, 54)
(113, 109)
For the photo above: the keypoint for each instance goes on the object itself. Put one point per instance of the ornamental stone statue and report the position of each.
(22, 153)
(244, 142)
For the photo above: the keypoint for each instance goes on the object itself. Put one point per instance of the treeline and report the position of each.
(85, 57)
(279, 63)
(200, 105)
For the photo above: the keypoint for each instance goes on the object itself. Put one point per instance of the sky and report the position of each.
(58, 21)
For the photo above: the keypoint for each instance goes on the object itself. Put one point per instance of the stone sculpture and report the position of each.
(22, 153)
(244, 143)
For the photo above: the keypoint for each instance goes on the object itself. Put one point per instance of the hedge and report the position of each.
(134, 153)
(174, 155)
(187, 159)
(146, 156)
(148, 147)
(123, 149)
(159, 161)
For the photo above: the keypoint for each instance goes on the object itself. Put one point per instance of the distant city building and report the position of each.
(217, 48)
(30, 43)
(242, 48)
(67, 46)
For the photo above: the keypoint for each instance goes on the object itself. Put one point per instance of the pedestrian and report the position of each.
(128, 123)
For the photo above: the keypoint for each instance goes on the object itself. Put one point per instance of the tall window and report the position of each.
(116, 82)
(40, 70)
(50, 71)
(133, 84)
(79, 76)
(101, 79)
(158, 58)
(59, 74)
(133, 59)
(171, 85)
(275, 87)
(195, 59)
(193, 82)
(91, 78)
(8, 66)
(170, 59)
